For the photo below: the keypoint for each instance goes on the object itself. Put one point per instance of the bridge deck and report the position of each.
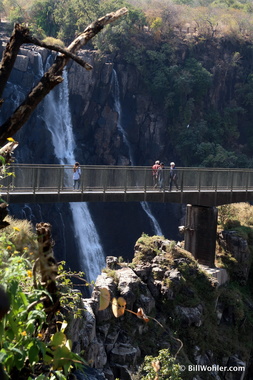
(53, 183)
(204, 198)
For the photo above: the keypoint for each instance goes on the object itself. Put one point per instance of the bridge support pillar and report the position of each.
(200, 233)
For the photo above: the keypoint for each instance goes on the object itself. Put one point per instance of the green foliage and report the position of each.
(231, 224)
(231, 298)
(19, 329)
(200, 77)
(4, 170)
(60, 19)
(219, 158)
(157, 23)
(66, 18)
(224, 213)
(248, 7)
(228, 4)
(245, 92)
(245, 232)
(119, 36)
(59, 354)
(15, 12)
(163, 366)
(42, 16)
(24, 344)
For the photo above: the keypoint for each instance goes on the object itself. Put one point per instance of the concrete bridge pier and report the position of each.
(200, 233)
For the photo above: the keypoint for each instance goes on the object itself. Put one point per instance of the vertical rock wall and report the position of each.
(96, 121)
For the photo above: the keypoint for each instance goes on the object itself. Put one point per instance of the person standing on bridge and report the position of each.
(76, 176)
(155, 173)
(160, 172)
(173, 175)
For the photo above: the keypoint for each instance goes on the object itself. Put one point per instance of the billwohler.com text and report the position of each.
(211, 368)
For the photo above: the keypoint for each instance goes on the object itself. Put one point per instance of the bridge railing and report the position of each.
(216, 179)
(105, 178)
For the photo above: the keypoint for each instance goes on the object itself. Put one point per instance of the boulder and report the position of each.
(125, 353)
(112, 262)
(190, 316)
(21, 63)
(128, 284)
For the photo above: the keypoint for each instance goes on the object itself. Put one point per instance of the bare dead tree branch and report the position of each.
(10, 54)
(59, 49)
(52, 77)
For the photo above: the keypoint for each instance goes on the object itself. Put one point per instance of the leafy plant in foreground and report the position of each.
(30, 347)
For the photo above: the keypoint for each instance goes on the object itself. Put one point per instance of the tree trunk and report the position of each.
(48, 266)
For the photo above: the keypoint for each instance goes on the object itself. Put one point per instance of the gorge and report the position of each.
(90, 138)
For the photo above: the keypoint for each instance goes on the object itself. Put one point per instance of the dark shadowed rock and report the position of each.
(4, 303)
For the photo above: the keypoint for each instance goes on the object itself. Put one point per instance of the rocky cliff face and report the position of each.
(98, 141)
(97, 123)
(240, 251)
(189, 314)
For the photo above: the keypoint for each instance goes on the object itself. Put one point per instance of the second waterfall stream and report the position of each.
(117, 105)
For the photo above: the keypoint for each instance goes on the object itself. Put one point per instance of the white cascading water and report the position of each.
(40, 66)
(117, 105)
(58, 121)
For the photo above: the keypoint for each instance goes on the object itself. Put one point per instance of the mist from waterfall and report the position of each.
(57, 118)
(117, 105)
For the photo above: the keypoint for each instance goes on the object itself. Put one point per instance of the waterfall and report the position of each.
(155, 223)
(40, 65)
(58, 121)
(117, 105)
(57, 118)
(27, 212)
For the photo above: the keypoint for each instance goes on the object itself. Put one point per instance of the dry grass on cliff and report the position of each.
(21, 234)
(242, 212)
(54, 41)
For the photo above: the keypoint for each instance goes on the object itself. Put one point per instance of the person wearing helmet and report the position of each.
(173, 175)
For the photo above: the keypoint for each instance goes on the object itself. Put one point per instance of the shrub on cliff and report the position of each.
(163, 366)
